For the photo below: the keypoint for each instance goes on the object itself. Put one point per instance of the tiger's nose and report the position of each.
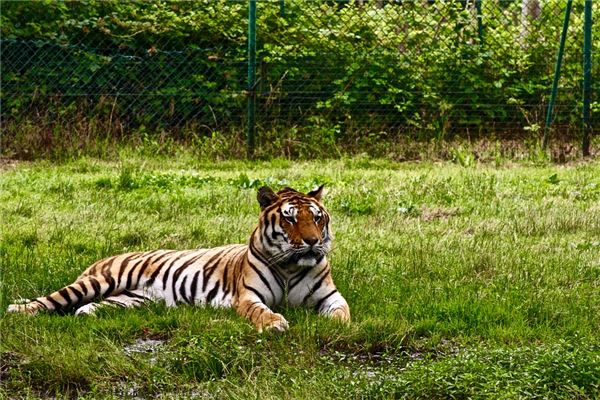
(311, 240)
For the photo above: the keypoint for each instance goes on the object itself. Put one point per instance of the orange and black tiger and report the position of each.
(286, 255)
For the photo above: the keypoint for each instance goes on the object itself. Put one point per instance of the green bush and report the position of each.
(423, 68)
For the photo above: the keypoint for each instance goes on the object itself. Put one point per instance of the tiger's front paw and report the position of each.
(273, 321)
(341, 314)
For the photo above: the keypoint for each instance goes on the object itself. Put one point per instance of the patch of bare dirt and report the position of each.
(8, 361)
(7, 164)
(435, 213)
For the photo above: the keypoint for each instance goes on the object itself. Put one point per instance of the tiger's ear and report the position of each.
(317, 193)
(266, 197)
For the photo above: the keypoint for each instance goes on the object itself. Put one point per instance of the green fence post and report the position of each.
(282, 8)
(479, 21)
(587, 77)
(251, 93)
(559, 57)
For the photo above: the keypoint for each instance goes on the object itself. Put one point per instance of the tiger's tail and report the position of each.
(84, 290)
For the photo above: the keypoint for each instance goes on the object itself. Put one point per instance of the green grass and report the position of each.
(465, 280)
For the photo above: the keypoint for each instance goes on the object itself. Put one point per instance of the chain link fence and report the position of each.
(428, 68)
(340, 68)
(122, 68)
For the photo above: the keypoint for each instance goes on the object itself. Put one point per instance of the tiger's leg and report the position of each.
(80, 292)
(126, 299)
(333, 305)
(327, 301)
(261, 316)
(251, 304)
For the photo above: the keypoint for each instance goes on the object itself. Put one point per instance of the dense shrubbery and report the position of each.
(425, 67)
(332, 67)
(141, 63)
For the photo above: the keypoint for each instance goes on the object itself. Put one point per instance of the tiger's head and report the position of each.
(294, 227)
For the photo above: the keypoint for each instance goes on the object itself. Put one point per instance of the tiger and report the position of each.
(285, 257)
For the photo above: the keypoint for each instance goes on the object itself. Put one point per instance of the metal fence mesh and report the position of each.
(164, 87)
(120, 70)
(428, 68)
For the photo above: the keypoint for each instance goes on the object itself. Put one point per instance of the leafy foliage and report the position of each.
(329, 67)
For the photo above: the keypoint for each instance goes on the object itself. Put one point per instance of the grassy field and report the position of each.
(476, 281)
